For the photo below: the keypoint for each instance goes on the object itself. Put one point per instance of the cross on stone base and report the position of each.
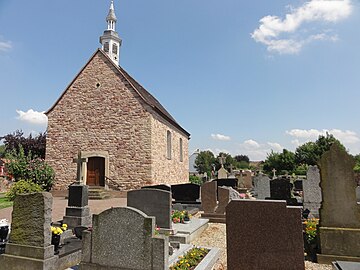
(79, 161)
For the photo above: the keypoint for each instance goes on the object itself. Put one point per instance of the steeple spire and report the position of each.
(111, 17)
(110, 40)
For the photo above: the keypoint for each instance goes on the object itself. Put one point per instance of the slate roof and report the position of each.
(143, 93)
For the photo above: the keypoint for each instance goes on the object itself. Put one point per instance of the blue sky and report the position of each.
(242, 77)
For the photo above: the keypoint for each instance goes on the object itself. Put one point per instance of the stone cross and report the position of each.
(79, 173)
(274, 173)
(222, 160)
(231, 168)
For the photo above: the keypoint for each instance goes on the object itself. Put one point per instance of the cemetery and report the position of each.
(167, 226)
(121, 196)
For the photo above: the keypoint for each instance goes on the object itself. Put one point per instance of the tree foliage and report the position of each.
(310, 152)
(204, 162)
(24, 167)
(281, 162)
(307, 154)
(34, 145)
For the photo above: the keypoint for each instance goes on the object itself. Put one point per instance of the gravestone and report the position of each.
(358, 194)
(209, 197)
(186, 193)
(280, 189)
(339, 212)
(161, 187)
(264, 235)
(246, 179)
(262, 186)
(222, 173)
(153, 202)
(123, 238)
(226, 182)
(78, 212)
(312, 191)
(225, 195)
(298, 185)
(29, 246)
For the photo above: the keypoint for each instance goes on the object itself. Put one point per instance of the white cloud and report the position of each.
(5, 45)
(282, 35)
(275, 146)
(258, 151)
(220, 137)
(346, 137)
(251, 144)
(32, 117)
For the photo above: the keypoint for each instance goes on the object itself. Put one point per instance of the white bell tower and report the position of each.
(110, 40)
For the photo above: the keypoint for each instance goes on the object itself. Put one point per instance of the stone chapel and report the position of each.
(123, 135)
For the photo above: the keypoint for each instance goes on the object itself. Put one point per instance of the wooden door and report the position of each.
(95, 171)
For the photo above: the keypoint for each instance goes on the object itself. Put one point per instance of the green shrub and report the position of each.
(22, 187)
(31, 168)
(195, 180)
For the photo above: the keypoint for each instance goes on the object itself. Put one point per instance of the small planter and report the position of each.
(55, 240)
(4, 230)
(311, 249)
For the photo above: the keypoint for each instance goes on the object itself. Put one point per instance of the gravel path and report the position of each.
(215, 236)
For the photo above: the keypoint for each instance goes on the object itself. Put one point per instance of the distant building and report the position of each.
(126, 136)
(192, 158)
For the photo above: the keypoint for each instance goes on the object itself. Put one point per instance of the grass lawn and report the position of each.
(5, 203)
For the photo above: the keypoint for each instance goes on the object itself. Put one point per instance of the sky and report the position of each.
(243, 77)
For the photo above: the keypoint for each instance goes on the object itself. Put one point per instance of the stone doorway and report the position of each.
(95, 175)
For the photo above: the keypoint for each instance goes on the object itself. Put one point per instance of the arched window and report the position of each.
(168, 144)
(181, 150)
(114, 48)
(106, 46)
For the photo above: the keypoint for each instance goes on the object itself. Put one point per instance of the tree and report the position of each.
(310, 152)
(229, 160)
(34, 145)
(204, 162)
(240, 158)
(242, 161)
(281, 162)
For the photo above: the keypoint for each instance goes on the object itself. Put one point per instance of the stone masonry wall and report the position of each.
(107, 117)
(164, 170)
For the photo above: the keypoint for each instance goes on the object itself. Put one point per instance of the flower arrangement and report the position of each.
(58, 230)
(180, 216)
(310, 229)
(191, 259)
(157, 230)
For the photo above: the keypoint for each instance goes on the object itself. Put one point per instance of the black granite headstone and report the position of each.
(78, 195)
(227, 182)
(161, 187)
(186, 193)
(280, 189)
(298, 185)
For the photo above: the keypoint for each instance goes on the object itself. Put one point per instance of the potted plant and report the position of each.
(310, 238)
(180, 216)
(55, 236)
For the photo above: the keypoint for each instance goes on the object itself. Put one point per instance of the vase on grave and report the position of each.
(55, 240)
(4, 230)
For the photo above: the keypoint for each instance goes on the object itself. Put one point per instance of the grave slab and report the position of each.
(185, 233)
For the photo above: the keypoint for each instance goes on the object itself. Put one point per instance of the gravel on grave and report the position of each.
(215, 236)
